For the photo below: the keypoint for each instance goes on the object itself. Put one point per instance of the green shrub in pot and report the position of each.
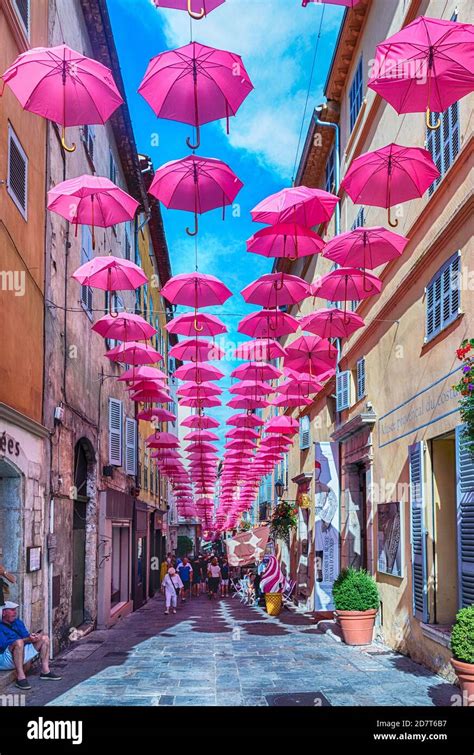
(462, 635)
(355, 590)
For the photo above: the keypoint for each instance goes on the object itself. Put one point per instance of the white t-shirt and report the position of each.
(214, 571)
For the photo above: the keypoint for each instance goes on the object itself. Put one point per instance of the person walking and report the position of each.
(171, 587)
(225, 574)
(204, 584)
(214, 577)
(185, 571)
(196, 581)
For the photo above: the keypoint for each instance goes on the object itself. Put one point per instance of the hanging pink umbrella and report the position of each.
(190, 324)
(389, 176)
(150, 396)
(251, 388)
(283, 426)
(156, 413)
(195, 350)
(63, 86)
(199, 372)
(299, 386)
(200, 403)
(197, 390)
(292, 401)
(256, 371)
(110, 274)
(197, 9)
(92, 200)
(133, 352)
(124, 327)
(311, 354)
(428, 65)
(195, 184)
(347, 284)
(201, 435)
(195, 84)
(286, 240)
(259, 350)
(365, 247)
(199, 421)
(268, 323)
(275, 290)
(331, 323)
(142, 373)
(196, 290)
(152, 385)
(242, 433)
(247, 403)
(299, 204)
(345, 3)
(245, 420)
(162, 440)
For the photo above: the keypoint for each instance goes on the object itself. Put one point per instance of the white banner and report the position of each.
(327, 523)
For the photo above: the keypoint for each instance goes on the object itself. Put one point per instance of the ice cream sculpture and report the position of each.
(272, 580)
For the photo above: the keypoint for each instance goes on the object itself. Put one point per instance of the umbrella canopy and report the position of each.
(194, 350)
(133, 352)
(242, 433)
(313, 346)
(283, 425)
(203, 435)
(110, 274)
(299, 386)
(365, 247)
(245, 420)
(198, 390)
(298, 204)
(145, 385)
(196, 8)
(196, 290)
(92, 200)
(190, 324)
(275, 290)
(199, 421)
(346, 3)
(331, 323)
(124, 327)
(200, 402)
(268, 323)
(157, 413)
(248, 403)
(389, 176)
(347, 284)
(195, 84)
(259, 350)
(199, 372)
(287, 240)
(195, 184)
(292, 401)
(142, 373)
(259, 371)
(63, 86)
(428, 65)
(162, 440)
(251, 388)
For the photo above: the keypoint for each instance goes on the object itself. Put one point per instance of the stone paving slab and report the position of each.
(225, 654)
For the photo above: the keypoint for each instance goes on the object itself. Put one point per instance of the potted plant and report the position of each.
(356, 600)
(462, 645)
(271, 584)
(283, 520)
(465, 387)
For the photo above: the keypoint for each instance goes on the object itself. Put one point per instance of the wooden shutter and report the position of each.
(23, 11)
(86, 255)
(444, 142)
(115, 432)
(342, 390)
(17, 178)
(443, 297)
(130, 446)
(465, 517)
(360, 378)
(418, 531)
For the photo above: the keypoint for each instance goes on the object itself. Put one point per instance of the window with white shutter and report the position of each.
(418, 531)
(130, 446)
(115, 432)
(443, 300)
(86, 255)
(305, 430)
(465, 517)
(17, 176)
(343, 389)
(22, 8)
(360, 378)
(444, 142)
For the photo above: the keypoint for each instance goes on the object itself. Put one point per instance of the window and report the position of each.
(22, 8)
(112, 168)
(145, 301)
(128, 241)
(115, 432)
(130, 446)
(359, 221)
(145, 469)
(86, 255)
(355, 95)
(331, 171)
(138, 300)
(443, 297)
(17, 179)
(305, 430)
(360, 379)
(88, 137)
(343, 386)
(443, 144)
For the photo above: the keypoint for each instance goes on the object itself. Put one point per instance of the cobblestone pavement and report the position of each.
(223, 653)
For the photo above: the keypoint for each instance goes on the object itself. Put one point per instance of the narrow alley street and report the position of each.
(223, 653)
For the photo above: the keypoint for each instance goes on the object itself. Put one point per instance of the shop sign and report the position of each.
(9, 445)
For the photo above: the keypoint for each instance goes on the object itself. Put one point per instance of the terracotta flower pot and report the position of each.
(465, 674)
(273, 603)
(357, 626)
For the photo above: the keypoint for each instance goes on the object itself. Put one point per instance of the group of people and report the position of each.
(199, 575)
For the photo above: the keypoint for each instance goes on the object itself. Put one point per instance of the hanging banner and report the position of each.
(327, 523)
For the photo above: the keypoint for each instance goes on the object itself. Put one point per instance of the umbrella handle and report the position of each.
(197, 16)
(428, 121)
(197, 328)
(393, 225)
(63, 142)
(198, 139)
(196, 228)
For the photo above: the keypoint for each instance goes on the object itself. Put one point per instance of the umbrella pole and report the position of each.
(196, 109)
(63, 132)
(436, 126)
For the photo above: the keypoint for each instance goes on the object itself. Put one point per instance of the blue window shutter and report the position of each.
(418, 531)
(361, 378)
(342, 390)
(355, 94)
(465, 517)
(443, 297)
(444, 142)
(115, 432)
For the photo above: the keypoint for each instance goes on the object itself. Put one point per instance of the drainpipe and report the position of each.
(337, 163)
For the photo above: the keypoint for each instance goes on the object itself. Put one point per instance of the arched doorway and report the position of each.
(11, 524)
(83, 479)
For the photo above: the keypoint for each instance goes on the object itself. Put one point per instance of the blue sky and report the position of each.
(276, 39)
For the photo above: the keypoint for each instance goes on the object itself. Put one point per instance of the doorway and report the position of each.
(357, 516)
(79, 532)
(11, 529)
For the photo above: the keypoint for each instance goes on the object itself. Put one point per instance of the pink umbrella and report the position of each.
(196, 290)
(133, 352)
(268, 323)
(291, 401)
(197, 9)
(283, 426)
(150, 395)
(347, 284)
(241, 433)
(256, 371)
(199, 372)
(161, 415)
(195, 350)
(251, 388)
(259, 350)
(189, 324)
(153, 385)
(275, 290)
(162, 440)
(428, 65)
(286, 240)
(313, 347)
(201, 435)
(299, 204)
(245, 420)
(365, 247)
(299, 386)
(124, 327)
(200, 422)
(197, 390)
(331, 323)
(110, 274)
(389, 176)
(247, 403)
(63, 86)
(200, 403)
(196, 84)
(195, 184)
(143, 373)
(92, 200)
(346, 3)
